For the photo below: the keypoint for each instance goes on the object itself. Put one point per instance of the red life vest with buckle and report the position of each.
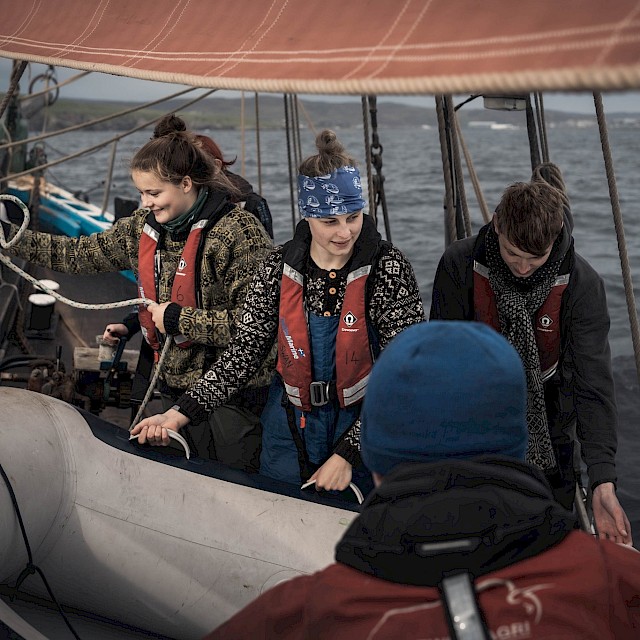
(184, 288)
(546, 320)
(354, 357)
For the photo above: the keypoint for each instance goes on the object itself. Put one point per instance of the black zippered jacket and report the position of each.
(580, 397)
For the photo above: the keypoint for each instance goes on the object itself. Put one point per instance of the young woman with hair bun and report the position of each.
(330, 299)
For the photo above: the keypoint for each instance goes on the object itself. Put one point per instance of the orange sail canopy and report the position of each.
(337, 46)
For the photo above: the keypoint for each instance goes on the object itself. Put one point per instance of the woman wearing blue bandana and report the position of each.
(331, 298)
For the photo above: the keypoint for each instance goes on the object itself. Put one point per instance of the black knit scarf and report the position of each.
(517, 300)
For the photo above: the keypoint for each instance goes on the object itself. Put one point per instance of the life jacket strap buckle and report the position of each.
(319, 392)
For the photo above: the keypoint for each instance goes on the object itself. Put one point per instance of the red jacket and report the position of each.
(493, 517)
(580, 588)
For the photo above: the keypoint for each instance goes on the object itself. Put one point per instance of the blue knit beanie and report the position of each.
(444, 389)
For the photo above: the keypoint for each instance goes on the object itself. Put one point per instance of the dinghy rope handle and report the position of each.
(6, 244)
(352, 485)
(173, 435)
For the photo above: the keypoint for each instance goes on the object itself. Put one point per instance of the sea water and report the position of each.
(414, 188)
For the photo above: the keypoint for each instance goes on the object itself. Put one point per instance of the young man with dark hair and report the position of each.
(522, 276)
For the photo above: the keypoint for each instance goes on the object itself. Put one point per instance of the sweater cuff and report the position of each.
(350, 453)
(171, 318)
(192, 409)
(601, 473)
(132, 323)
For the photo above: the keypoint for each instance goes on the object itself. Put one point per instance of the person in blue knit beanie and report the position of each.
(445, 390)
(461, 538)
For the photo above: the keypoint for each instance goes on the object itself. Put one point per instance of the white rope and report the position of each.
(5, 244)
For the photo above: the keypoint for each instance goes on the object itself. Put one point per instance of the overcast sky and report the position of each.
(107, 87)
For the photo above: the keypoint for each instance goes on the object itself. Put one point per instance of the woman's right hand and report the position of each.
(113, 333)
(153, 430)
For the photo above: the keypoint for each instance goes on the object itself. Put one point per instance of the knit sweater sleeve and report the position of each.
(255, 335)
(110, 250)
(395, 304)
(348, 446)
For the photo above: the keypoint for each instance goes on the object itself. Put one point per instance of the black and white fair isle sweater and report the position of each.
(394, 304)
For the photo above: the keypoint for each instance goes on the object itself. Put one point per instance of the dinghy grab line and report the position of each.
(31, 568)
(354, 487)
(174, 435)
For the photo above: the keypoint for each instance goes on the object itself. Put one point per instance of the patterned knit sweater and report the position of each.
(232, 250)
(394, 304)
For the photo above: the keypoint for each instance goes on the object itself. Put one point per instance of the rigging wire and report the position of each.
(258, 149)
(104, 143)
(367, 150)
(57, 86)
(109, 179)
(542, 127)
(242, 139)
(307, 118)
(296, 129)
(534, 148)
(619, 227)
(111, 116)
(287, 127)
(482, 203)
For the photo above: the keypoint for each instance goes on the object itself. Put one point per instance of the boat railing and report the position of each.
(93, 148)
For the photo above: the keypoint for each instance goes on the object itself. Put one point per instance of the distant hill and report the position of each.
(223, 113)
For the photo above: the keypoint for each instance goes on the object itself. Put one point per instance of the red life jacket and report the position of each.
(547, 318)
(353, 350)
(184, 288)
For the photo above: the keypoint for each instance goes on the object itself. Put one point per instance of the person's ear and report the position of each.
(187, 184)
(494, 220)
(377, 478)
(218, 163)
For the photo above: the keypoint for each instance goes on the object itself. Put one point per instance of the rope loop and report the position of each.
(29, 569)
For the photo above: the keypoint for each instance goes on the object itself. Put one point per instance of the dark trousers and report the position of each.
(231, 435)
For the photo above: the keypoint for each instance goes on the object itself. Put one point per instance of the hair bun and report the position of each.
(169, 124)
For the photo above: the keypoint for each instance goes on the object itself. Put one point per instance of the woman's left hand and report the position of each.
(334, 474)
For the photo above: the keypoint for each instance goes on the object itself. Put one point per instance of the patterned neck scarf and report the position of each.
(517, 300)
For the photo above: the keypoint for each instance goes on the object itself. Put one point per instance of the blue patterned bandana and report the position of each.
(333, 194)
